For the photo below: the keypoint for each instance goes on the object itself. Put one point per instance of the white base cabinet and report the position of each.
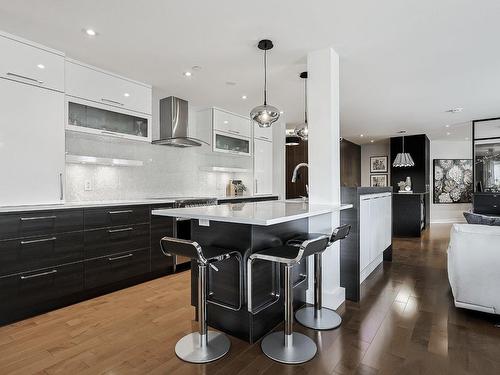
(31, 144)
(375, 230)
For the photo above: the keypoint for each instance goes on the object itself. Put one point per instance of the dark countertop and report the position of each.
(373, 189)
(414, 193)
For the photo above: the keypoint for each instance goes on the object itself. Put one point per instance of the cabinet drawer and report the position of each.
(39, 223)
(92, 84)
(110, 269)
(103, 217)
(32, 288)
(28, 64)
(101, 242)
(22, 255)
(486, 204)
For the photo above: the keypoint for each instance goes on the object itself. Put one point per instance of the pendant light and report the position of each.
(265, 115)
(403, 159)
(303, 130)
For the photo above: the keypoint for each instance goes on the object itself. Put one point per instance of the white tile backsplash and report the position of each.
(167, 171)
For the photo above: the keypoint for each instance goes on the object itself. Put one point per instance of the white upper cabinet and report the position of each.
(231, 123)
(93, 84)
(30, 63)
(265, 134)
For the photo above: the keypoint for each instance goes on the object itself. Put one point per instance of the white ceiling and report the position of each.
(403, 62)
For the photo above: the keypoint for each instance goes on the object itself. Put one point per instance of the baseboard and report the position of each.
(448, 221)
(334, 299)
(370, 268)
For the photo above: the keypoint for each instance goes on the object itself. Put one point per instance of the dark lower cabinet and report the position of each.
(114, 268)
(101, 242)
(21, 255)
(27, 293)
(161, 226)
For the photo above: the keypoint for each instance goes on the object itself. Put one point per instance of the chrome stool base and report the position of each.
(322, 319)
(302, 350)
(189, 349)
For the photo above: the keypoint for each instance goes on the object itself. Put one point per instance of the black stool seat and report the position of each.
(215, 254)
(281, 254)
(297, 241)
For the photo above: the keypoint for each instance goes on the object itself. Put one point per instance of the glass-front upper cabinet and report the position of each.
(90, 119)
(487, 155)
(231, 144)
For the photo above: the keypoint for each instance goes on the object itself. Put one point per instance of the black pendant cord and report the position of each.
(265, 77)
(403, 144)
(305, 100)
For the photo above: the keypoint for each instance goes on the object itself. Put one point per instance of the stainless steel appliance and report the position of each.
(174, 124)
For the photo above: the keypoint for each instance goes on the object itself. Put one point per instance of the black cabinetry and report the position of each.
(410, 212)
(52, 258)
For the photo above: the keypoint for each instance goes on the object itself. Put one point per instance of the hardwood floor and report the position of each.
(405, 324)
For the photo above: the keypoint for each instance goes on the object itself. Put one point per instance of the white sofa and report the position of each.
(474, 267)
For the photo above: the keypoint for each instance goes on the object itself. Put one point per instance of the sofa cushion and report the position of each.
(473, 218)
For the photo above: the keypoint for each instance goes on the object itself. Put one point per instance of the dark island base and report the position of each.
(224, 284)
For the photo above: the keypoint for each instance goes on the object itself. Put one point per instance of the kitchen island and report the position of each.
(247, 228)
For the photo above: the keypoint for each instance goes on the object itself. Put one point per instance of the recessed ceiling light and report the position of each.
(187, 74)
(226, 122)
(361, 135)
(455, 110)
(371, 141)
(281, 112)
(90, 32)
(243, 97)
(447, 126)
(448, 133)
(41, 66)
(126, 95)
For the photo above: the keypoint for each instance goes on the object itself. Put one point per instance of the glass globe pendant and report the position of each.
(265, 115)
(303, 130)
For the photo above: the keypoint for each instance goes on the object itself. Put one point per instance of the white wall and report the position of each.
(442, 149)
(379, 148)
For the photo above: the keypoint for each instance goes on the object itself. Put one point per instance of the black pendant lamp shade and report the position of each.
(265, 115)
(403, 159)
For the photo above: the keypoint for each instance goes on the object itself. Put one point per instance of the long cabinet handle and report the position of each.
(112, 133)
(38, 275)
(120, 212)
(120, 230)
(111, 101)
(39, 240)
(120, 257)
(61, 187)
(37, 218)
(24, 77)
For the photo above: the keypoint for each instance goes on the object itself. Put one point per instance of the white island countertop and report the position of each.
(255, 213)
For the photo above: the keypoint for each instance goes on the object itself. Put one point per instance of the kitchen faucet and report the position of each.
(296, 171)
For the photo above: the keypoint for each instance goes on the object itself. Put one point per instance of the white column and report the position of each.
(324, 163)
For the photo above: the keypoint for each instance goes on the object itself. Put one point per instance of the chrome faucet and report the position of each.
(296, 170)
(295, 173)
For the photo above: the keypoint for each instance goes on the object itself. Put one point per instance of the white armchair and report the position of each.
(474, 267)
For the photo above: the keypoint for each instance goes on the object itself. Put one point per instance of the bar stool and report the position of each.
(287, 346)
(203, 346)
(318, 317)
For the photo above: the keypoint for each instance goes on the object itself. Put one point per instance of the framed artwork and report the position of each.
(379, 180)
(452, 181)
(378, 164)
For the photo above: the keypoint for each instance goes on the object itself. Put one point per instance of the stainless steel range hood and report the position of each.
(174, 125)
